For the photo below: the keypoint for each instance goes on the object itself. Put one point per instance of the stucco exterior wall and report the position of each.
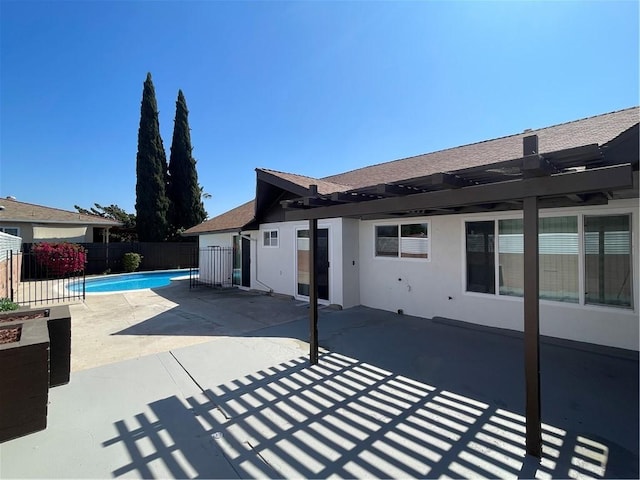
(437, 287)
(277, 267)
(350, 262)
(216, 240)
(25, 231)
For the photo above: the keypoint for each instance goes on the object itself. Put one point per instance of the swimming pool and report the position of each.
(130, 281)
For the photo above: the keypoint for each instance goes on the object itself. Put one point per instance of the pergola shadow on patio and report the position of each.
(391, 396)
(585, 175)
(395, 396)
(588, 391)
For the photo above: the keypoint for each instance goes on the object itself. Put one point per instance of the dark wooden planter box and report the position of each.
(24, 380)
(58, 320)
(59, 326)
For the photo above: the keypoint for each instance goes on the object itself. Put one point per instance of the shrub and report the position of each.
(6, 305)
(60, 258)
(131, 261)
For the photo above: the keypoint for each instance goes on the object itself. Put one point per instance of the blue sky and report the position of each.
(315, 88)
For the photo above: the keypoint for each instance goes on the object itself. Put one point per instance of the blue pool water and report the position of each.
(130, 281)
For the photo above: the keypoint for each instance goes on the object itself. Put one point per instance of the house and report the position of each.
(36, 223)
(448, 234)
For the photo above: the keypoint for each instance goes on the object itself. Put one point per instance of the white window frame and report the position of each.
(271, 238)
(581, 256)
(399, 256)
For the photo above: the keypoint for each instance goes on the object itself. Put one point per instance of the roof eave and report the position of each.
(60, 222)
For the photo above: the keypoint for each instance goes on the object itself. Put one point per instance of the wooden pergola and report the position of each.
(586, 175)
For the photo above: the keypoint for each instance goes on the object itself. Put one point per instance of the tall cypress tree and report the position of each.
(152, 204)
(185, 195)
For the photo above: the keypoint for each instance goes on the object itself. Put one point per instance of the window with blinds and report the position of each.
(402, 240)
(607, 252)
(606, 258)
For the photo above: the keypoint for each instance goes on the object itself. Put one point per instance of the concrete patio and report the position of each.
(218, 386)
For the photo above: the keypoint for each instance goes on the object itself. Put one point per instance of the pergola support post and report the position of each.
(532, 328)
(313, 292)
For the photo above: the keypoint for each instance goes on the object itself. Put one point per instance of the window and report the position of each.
(607, 252)
(270, 238)
(558, 257)
(480, 257)
(511, 257)
(606, 258)
(414, 241)
(402, 241)
(386, 241)
(15, 231)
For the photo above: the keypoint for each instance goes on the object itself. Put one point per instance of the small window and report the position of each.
(403, 241)
(414, 240)
(607, 252)
(270, 238)
(386, 241)
(15, 231)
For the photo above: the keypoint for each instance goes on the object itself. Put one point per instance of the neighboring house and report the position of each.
(441, 234)
(36, 223)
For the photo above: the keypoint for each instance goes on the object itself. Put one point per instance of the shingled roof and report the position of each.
(324, 187)
(231, 221)
(598, 129)
(21, 212)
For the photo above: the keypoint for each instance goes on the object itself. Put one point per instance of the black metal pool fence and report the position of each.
(41, 285)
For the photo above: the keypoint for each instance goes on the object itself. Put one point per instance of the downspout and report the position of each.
(257, 262)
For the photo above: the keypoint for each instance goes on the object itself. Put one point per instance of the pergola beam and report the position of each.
(316, 202)
(393, 190)
(536, 166)
(347, 197)
(595, 180)
(448, 180)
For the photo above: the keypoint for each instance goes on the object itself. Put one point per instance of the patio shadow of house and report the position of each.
(589, 391)
(344, 418)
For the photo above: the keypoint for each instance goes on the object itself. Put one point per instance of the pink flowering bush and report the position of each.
(60, 258)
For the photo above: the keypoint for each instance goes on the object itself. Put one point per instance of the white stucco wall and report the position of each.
(437, 287)
(216, 240)
(350, 262)
(276, 267)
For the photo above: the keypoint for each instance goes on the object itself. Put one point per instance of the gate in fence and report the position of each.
(215, 268)
(40, 281)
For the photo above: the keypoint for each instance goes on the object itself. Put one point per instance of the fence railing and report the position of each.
(30, 282)
(215, 268)
(38, 284)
